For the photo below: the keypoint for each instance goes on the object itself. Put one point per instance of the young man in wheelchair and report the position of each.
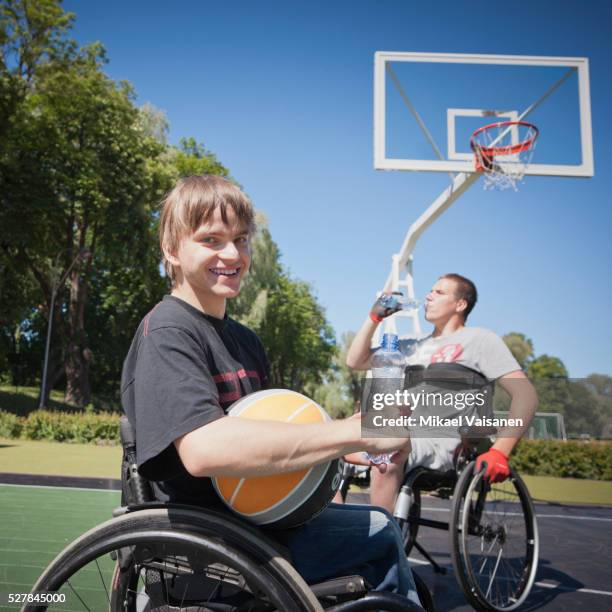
(447, 307)
(189, 362)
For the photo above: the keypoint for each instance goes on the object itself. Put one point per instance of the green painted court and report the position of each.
(38, 522)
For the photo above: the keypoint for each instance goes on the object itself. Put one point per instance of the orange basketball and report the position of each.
(282, 500)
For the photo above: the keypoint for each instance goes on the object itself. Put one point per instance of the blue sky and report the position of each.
(281, 92)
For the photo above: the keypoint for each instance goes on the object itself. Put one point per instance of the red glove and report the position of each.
(495, 464)
(386, 305)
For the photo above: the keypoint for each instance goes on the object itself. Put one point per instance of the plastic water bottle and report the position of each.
(388, 369)
(410, 303)
(398, 300)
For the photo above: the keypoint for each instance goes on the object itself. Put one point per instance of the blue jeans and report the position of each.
(348, 539)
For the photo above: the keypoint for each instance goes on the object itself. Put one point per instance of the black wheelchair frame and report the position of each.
(166, 557)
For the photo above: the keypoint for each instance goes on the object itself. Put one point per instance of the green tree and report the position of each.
(192, 158)
(601, 386)
(340, 390)
(520, 346)
(74, 171)
(545, 366)
(299, 341)
(32, 34)
(583, 413)
(77, 173)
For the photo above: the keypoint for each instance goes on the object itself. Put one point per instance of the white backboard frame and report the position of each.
(382, 162)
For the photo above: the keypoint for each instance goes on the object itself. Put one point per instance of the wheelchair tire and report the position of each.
(494, 540)
(155, 540)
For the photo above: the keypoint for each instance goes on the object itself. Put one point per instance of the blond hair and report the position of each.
(192, 202)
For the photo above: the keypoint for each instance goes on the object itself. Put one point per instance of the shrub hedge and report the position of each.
(79, 427)
(592, 460)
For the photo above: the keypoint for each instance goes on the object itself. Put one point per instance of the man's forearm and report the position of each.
(522, 408)
(360, 352)
(232, 446)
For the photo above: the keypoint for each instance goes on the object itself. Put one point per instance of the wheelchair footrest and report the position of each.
(377, 601)
(345, 585)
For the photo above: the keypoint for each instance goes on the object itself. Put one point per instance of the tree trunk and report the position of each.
(78, 354)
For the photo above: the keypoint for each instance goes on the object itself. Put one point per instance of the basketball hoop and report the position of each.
(502, 152)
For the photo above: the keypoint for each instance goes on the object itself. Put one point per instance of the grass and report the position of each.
(28, 457)
(570, 490)
(54, 458)
(23, 400)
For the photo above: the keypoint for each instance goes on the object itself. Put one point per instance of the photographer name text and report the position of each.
(437, 421)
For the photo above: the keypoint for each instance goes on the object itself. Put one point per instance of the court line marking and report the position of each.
(560, 587)
(10, 484)
(561, 516)
(545, 585)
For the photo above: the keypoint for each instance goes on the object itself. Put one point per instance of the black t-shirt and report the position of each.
(183, 370)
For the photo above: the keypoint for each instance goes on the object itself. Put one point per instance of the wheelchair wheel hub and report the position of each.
(492, 533)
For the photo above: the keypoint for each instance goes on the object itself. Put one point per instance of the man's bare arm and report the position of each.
(359, 356)
(232, 446)
(523, 406)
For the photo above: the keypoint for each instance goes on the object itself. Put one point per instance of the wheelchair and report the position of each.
(165, 557)
(493, 539)
(493, 530)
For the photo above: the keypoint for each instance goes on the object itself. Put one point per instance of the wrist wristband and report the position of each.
(375, 318)
(495, 450)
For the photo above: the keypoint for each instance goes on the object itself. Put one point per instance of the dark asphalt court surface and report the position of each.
(574, 573)
(575, 568)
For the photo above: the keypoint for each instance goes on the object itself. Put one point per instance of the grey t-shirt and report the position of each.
(473, 347)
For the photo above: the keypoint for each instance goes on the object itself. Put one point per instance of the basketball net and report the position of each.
(502, 152)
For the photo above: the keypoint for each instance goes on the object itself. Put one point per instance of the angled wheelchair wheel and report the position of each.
(494, 540)
(143, 560)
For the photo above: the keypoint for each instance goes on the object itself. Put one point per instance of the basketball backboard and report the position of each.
(426, 106)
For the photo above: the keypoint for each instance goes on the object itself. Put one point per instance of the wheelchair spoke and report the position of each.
(492, 575)
(102, 581)
(78, 596)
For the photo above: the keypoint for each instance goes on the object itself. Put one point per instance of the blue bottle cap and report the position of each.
(390, 342)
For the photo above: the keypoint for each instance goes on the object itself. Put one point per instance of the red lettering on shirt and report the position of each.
(228, 384)
(447, 354)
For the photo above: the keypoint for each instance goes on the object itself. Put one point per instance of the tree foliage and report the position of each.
(586, 405)
(299, 340)
(340, 391)
(520, 346)
(82, 169)
(546, 366)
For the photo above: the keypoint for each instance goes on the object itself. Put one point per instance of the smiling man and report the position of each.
(447, 307)
(189, 362)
